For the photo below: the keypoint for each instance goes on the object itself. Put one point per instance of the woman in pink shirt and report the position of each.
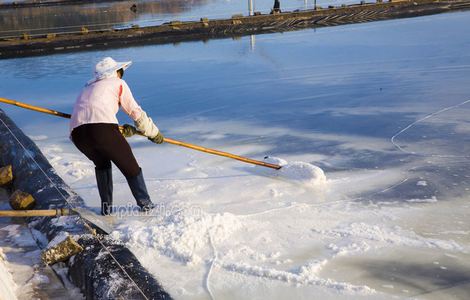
(95, 131)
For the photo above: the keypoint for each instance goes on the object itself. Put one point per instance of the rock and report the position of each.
(6, 175)
(61, 252)
(21, 201)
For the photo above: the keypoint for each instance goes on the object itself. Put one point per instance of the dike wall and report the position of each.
(24, 4)
(98, 270)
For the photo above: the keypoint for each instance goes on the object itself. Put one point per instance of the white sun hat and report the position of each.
(107, 68)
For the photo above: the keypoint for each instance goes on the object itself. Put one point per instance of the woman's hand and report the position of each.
(127, 130)
(158, 139)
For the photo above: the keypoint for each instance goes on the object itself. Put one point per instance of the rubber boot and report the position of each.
(139, 190)
(104, 180)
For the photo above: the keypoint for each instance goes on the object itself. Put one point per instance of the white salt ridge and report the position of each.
(184, 236)
(305, 275)
(433, 199)
(298, 171)
(380, 236)
(354, 247)
(422, 183)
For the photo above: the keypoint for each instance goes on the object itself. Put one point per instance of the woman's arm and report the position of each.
(143, 123)
(128, 103)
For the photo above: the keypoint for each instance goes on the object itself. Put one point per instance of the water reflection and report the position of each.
(100, 16)
(252, 43)
(67, 18)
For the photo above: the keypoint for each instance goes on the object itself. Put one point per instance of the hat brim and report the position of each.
(119, 65)
(123, 65)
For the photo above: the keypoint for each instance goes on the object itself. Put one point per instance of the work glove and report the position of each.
(128, 130)
(146, 126)
(158, 139)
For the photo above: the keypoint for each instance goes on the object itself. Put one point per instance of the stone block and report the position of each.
(61, 252)
(21, 201)
(6, 175)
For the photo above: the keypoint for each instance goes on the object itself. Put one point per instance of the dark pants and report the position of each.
(103, 143)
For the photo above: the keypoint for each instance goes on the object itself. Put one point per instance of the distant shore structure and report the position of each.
(234, 27)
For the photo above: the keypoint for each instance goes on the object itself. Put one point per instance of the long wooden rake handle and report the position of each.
(222, 153)
(167, 140)
(36, 108)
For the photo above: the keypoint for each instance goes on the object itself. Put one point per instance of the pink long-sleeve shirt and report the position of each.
(99, 102)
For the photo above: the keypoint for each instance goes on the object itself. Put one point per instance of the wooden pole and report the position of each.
(221, 153)
(168, 140)
(36, 108)
(35, 213)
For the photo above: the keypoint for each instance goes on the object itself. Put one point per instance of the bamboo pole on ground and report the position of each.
(167, 140)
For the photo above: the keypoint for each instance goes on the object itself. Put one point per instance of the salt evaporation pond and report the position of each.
(118, 14)
(390, 219)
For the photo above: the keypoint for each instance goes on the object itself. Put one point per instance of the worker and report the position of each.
(95, 131)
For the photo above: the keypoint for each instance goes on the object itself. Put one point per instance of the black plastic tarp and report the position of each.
(106, 269)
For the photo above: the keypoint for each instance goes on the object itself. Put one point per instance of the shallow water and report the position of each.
(342, 84)
(334, 97)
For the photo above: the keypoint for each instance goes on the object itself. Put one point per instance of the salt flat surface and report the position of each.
(374, 117)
